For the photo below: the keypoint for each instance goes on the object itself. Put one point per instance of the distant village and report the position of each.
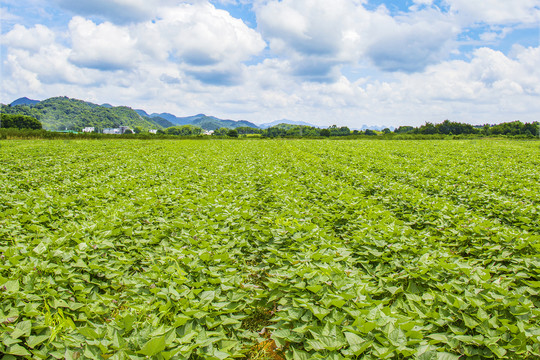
(123, 130)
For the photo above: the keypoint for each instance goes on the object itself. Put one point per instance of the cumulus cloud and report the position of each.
(489, 77)
(410, 47)
(103, 47)
(322, 35)
(189, 57)
(49, 65)
(31, 39)
(200, 34)
(497, 11)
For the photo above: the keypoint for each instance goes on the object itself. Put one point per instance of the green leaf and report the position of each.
(117, 341)
(497, 350)
(319, 312)
(18, 350)
(88, 332)
(127, 322)
(314, 288)
(24, 328)
(356, 343)
(34, 341)
(300, 355)
(469, 322)
(207, 296)
(40, 249)
(397, 338)
(153, 346)
(447, 356)
(12, 286)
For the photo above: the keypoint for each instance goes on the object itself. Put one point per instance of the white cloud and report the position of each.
(200, 34)
(193, 58)
(103, 47)
(47, 66)
(497, 11)
(7, 16)
(318, 36)
(31, 39)
(411, 44)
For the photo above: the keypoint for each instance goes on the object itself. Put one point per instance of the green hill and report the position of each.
(62, 113)
(213, 123)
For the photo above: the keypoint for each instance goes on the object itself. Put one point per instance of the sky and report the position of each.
(344, 62)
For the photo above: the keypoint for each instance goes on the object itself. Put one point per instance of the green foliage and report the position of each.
(184, 130)
(19, 122)
(369, 132)
(332, 249)
(160, 121)
(246, 130)
(288, 130)
(213, 123)
(221, 132)
(325, 132)
(232, 133)
(404, 129)
(515, 128)
(63, 113)
(339, 131)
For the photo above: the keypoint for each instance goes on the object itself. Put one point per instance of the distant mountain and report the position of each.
(213, 123)
(141, 112)
(373, 127)
(161, 121)
(24, 101)
(61, 113)
(174, 119)
(204, 121)
(285, 121)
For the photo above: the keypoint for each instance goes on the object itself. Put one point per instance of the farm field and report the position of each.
(278, 249)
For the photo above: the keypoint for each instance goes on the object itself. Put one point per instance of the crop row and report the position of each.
(321, 249)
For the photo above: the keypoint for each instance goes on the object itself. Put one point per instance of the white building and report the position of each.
(152, 131)
(120, 130)
(88, 129)
(111, 131)
(123, 129)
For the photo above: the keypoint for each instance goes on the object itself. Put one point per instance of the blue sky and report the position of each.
(345, 62)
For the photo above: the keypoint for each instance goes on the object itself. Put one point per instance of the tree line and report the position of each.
(446, 128)
(18, 121)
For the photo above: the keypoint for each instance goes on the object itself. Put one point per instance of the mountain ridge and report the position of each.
(285, 121)
(88, 114)
(24, 101)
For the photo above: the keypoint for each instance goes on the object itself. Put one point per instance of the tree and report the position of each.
(184, 130)
(220, 132)
(370, 132)
(387, 131)
(427, 129)
(232, 133)
(19, 122)
(324, 132)
(403, 129)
